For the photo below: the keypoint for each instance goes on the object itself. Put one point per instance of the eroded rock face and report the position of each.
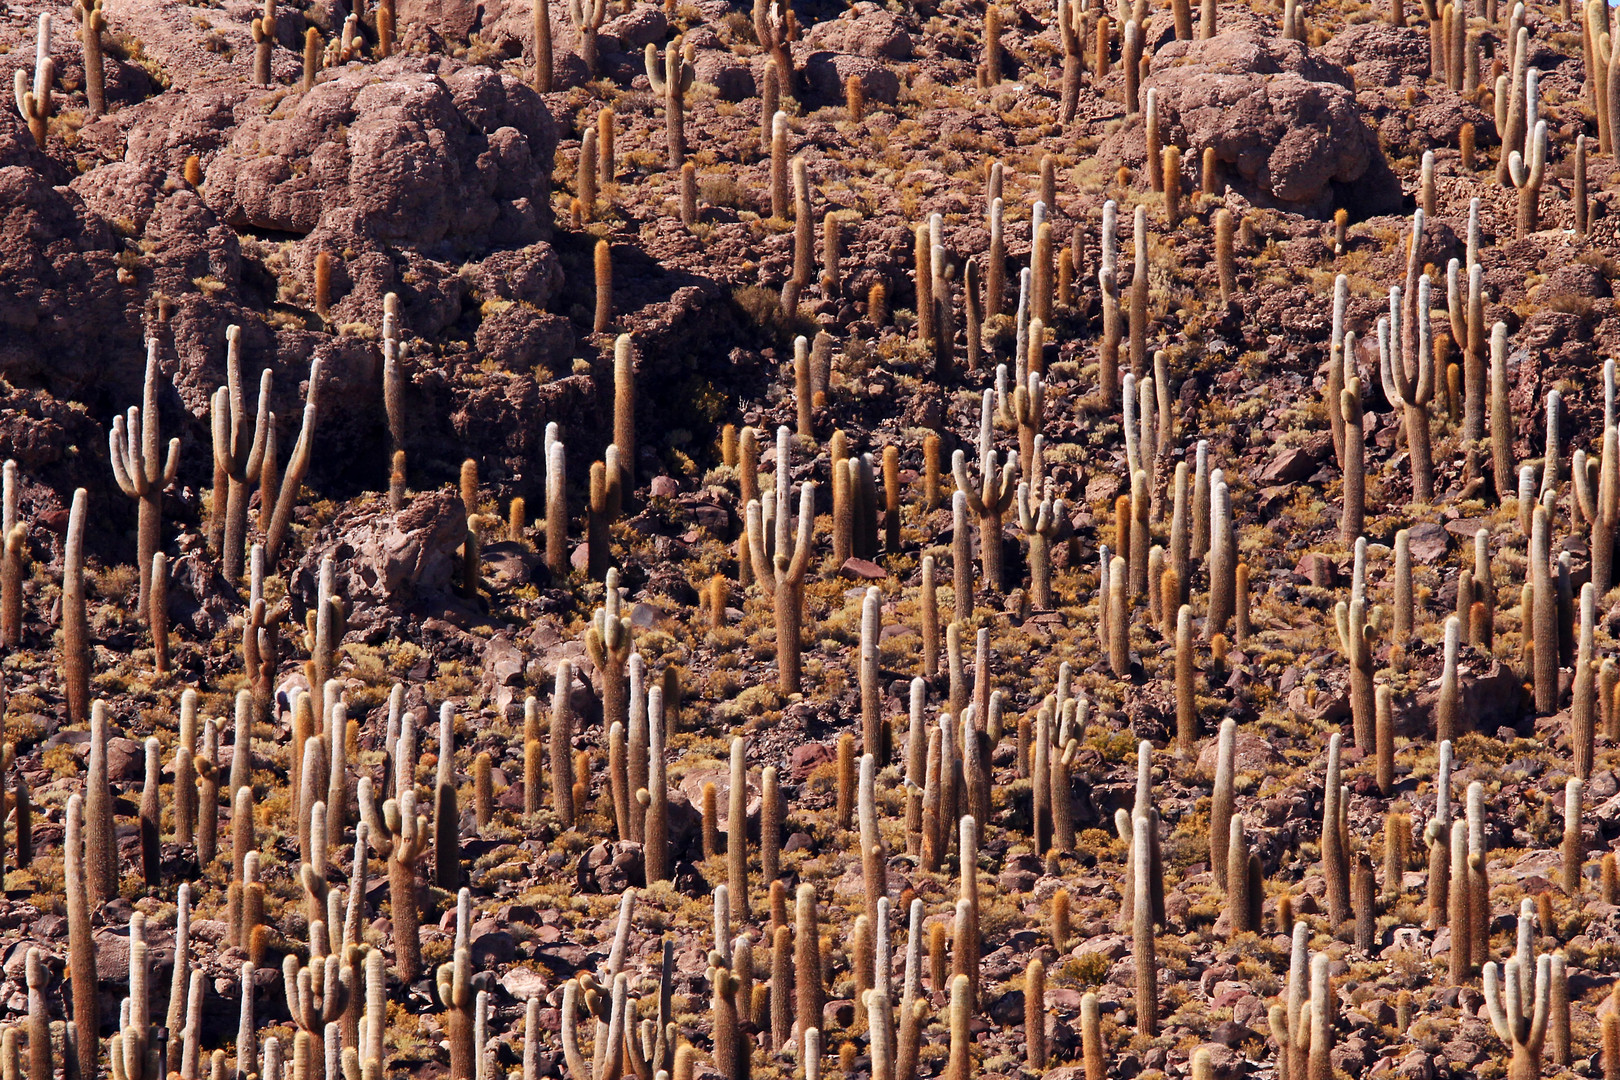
(422, 150)
(1284, 123)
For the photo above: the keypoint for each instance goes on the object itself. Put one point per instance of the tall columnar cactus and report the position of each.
(609, 644)
(561, 742)
(1143, 955)
(34, 100)
(13, 548)
(135, 446)
(75, 625)
(1352, 517)
(624, 408)
(604, 283)
(92, 21)
(543, 65)
(671, 79)
(1221, 561)
(1335, 856)
(81, 941)
(1543, 613)
(809, 990)
(446, 815)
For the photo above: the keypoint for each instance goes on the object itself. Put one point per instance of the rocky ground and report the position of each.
(200, 200)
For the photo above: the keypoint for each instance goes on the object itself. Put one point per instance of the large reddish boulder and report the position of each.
(1284, 123)
(422, 150)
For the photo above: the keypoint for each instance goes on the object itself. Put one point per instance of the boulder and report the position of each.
(426, 150)
(1284, 123)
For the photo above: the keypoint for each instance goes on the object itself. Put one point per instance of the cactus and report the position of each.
(1398, 357)
(1519, 1009)
(1574, 851)
(608, 642)
(80, 895)
(808, 991)
(92, 21)
(990, 498)
(13, 547)
(75, 628)
(604, 282)
(34, 100)
(446, 815)
(737, 834)
(1358, 633)
(1139, 293)
(1221, 561)
(264, 40)
(312, 59)
(292, 476)
(1335, 853)
(672, 78)
(587, 17)
(781, 577)
(1220, 814)
(1043, 521)
(1544, 615)
(399, 835)
(773, 25)
(606, 502)
(1142, 950)
(151, 813)
(543, 64)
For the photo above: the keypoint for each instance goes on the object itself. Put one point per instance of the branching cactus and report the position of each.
(1519, 1007)
(671, 78)
(400, 835)
(587, 17)
(264, 41)
(238, 454)
(92, 21)
(135, 446)
(781, 576)
(34, 101)
(1399, 359)
(1526, 171)
(1042, 522)
(991, 497)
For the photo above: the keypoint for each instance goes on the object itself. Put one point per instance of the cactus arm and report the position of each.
(806, 538)
(959, 472)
